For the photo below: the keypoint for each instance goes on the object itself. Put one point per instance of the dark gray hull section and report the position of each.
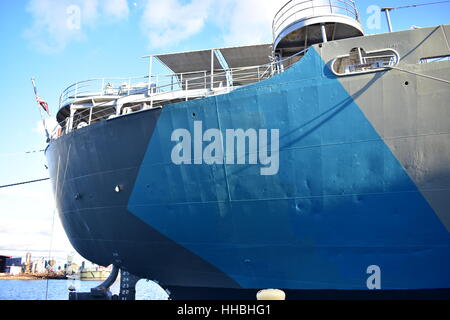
(95, 216)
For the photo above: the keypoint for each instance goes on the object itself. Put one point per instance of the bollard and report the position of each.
(271, 294)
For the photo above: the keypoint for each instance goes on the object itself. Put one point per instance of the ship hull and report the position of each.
(359, 201)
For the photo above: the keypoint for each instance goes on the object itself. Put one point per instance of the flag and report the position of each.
(43, 104)
(40, 101)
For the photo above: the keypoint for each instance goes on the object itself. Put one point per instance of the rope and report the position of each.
(22, 183)
(50, 251)
(419, 74)
(20, 153)
(419, 5)
(53, 222)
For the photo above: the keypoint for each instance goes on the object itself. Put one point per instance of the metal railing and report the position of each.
(122, 87)
(297, 10)
(161, 90)
(102, 87)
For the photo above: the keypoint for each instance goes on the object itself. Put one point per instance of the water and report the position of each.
(36, 289)
(59, 289)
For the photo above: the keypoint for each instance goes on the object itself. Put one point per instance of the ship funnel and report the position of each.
(302, 23)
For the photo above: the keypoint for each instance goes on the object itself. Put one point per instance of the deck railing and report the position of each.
(298, 10)
(158, 91)
(120, 87)
(102, 87)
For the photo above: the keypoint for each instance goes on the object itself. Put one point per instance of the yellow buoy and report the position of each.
(271, 294)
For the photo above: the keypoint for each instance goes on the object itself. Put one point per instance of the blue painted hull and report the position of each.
(340, 202)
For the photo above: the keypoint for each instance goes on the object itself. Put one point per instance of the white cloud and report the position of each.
(55, 23)
(246, 22)
(168, 22)
(26, 217)
(117, 9)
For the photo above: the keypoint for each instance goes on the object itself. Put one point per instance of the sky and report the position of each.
(62, 41)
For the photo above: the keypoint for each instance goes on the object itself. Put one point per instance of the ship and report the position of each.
(89, 271)
(318, 164)
(95, 275)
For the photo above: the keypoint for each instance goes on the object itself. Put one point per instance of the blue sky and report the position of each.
(108, 40)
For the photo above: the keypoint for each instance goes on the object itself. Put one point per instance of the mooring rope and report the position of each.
(50, 252)
(53, 222)
(20, 153)
(419, 74)
(22, 183)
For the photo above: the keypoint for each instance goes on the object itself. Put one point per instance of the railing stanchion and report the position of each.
(150, 67)
(90, 115)
(212, 69)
